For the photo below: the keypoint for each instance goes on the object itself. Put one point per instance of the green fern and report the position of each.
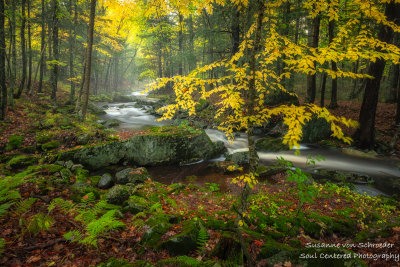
(8, 191)
(38, 223)
(97, 219)
(202, 238)
(2, 244)
(23, 206)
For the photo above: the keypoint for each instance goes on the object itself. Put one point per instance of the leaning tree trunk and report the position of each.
(365, 134)
(23, 51)
(54, 71)
(312, 78)
(88, 66)
(3, 88)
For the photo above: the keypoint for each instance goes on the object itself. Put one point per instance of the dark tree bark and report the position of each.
(365, 134)
(398, 105)
(192, 58)
(72, 40)
(29, 83)
(312, 78)
(13, 75)
(333, 104)
(88, 66)
(323, 88)
(235, 31)
(23, 51)
(3, 88)
(394, 84)
(54, 71)
(42, 62)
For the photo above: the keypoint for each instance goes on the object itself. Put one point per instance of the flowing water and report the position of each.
(133, 118)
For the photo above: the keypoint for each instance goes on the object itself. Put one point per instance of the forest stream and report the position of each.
(133, 117)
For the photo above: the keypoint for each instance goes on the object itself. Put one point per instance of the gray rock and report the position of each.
(83, 139)
(66, 174)
(106, 181)
(316, 130)
(95, 109)
(117, 194)
(82, 188)
(271, 144)
(76, 167)
(239, 158)
(69, 164)
(111, 123)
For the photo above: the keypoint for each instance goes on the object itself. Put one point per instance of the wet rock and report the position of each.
(106, 181)
(226, 166)
(95, 109)
(219, 148)
(359, 153)
(111, 123)
(117, 194)
(133, 176)
(271, 144)
(388, 185)
(266, 171)
(239, 158)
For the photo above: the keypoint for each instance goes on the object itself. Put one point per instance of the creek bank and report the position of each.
(160, 145)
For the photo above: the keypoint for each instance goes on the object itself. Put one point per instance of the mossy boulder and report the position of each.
(117, 194)
(309, 257)
(135, 204)
(239, 158)
(21, 161)
(50, 145)
(66, 174)
(315, 130)
(226, 166)
(94, 180)
(271, 144)
(93, 108)
(228, 249)
(46, 168)
(161, 145)
(14, 142)
(111, 123)
(272, 247)
(80, 189)
(28, 149)
(266, 171)
(185, 242)
(106, 181)
(359, 153)
(133, 176)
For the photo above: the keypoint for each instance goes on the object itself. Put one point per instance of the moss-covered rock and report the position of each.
(93, 108)
(28, 149)
(46, 168)
(50, 145)
(266, 171)
(272, 247)
(94, 180)
(117, 194)
(80, 189)
(359, 153)
(82, 175)
(239, 158)
(21, 161)
(106, 181)
(271, 144)
(14, 142)
(228, 249)
(66, 174)
(163, 145)
(111, 123)
(134, 176)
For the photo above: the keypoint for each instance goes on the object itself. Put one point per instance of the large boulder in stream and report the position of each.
(158, 146)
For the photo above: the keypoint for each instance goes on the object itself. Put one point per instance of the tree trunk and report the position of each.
(192, 59)
(312, 78)
(354, 89)
(13, 55)
(235, 31)
(54, 71)
(333, 103)
(323, 88)
(365, 134)
(394, 84)
(23, 52)
(86, 85)
(29, 84)
(72, 40)
(180, 45)
(42, 47)
(3, 88)
(398, 105)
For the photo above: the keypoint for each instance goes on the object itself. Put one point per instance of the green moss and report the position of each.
(94, 180)
(50, 145)
(50, 168)
(82, 175)
(21, 161)
(113, 262)
(14, 142)
(271, 247)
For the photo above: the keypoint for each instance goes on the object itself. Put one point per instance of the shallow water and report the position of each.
(138, 119)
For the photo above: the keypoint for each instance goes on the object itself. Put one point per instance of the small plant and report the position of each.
(38, 223)
(2, 244)
(213, 187)
(202, 238)
(8, 192)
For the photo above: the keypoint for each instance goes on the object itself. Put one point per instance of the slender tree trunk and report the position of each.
(23, 52)
(333, 103)
(312, 78)
(192, 59)
(235, 31)
(54, 71)
(29, 84)
(86, 85)
(365, 134)
(3, 88)
(107, 75)
(323, 88)
(398, 105)
(354, 89)
(394, 84)
(42, 47)
(72, 39)
(180, 45)
(13, 76)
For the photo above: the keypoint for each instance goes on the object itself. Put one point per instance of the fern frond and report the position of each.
(2, 244)
(66, 206)
(73, 236)
(23, 206)
(39, 223)
(202, 238)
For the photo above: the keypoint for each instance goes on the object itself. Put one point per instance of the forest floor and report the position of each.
(279, 224)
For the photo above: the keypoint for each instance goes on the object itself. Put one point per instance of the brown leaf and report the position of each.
(34, 258)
